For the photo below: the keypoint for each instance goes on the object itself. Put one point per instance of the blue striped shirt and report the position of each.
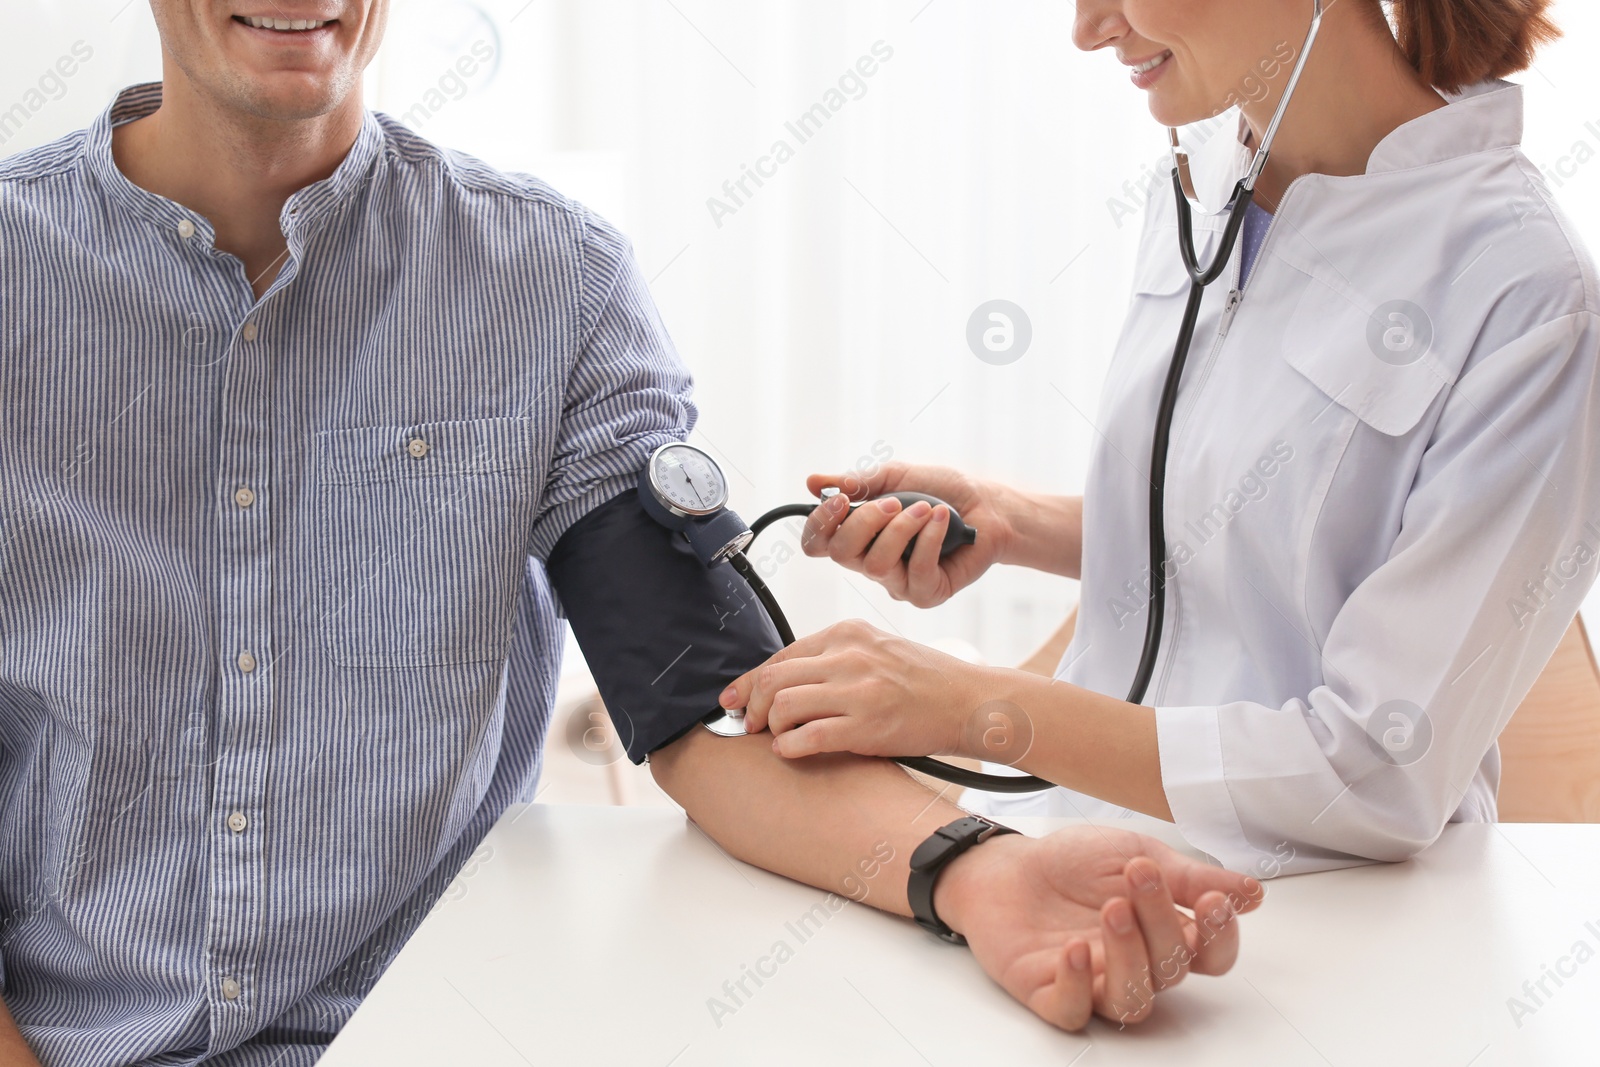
(276, 645)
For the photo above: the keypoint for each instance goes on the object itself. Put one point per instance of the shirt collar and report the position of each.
(301, 212)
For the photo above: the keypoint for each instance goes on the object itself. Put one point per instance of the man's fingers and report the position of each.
(1068, 1001)
(1216, 935)
(1160, 923)
(1126, 992)
(1189, 880)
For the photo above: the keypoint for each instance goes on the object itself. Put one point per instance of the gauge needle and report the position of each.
(690, 483)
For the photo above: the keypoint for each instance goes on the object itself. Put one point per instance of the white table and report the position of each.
(598, 936)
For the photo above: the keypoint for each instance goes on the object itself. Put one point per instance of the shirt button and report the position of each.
(247, 662)
(237, 822)
(249, 333)
(186, 229)
(418, 447)
(230, 989)
(244, 497)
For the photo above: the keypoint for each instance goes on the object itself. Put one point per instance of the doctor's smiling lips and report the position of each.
(1148, 70)
(1173, 49)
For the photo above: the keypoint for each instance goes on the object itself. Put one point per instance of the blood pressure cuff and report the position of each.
(663, 634)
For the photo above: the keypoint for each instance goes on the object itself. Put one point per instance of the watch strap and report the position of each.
(932, 857)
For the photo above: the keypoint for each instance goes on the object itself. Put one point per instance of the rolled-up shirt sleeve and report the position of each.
(1431, 653)
(627, 391)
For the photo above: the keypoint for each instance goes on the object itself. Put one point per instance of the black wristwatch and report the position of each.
(932, 857)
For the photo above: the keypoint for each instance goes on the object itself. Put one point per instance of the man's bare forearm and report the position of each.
(14, 1051)
(844, 823)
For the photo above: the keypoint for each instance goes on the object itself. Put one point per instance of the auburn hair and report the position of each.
(1456, 43)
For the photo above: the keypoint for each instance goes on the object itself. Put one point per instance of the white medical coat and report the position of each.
(1382, 502)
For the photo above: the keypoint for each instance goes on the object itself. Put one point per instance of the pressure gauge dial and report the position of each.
(687, 482)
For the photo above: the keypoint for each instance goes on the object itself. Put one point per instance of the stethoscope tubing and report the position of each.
(989, 783)
(1201, 277)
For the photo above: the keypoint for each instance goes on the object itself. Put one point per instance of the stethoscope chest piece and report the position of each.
(728, 724)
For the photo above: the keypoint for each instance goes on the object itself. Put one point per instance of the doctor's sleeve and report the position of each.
(625, 394)
(1427, 651)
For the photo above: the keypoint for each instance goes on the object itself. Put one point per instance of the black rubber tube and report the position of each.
(1200, 278)
(989, 783)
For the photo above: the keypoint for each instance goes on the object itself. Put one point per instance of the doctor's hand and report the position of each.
(854, 688)
(1087, 919)
(927, 581)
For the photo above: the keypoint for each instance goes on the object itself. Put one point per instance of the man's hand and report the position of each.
(1068, 924)
(1085, 920)
(14, 1051)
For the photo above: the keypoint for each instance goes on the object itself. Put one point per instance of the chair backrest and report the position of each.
(1550, 752)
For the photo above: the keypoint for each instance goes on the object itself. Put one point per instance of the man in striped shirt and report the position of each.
(297, 407)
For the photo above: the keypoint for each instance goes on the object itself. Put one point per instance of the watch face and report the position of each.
(687, 479)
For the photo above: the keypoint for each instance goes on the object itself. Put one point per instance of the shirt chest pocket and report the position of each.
(424, 531)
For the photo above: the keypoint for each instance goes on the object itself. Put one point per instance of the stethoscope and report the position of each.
(1200, 279)
(684, 489)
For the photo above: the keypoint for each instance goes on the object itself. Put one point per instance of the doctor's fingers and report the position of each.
(741, 689)
(1214, 935)
(882, 561)
(828, 733)
(1126, 991)
(823, 522)
(926, 584)
(797, 705)
(1163, 927)
(859, 485)
(849, 543)
(775, 678)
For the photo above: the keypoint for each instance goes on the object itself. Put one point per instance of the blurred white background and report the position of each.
(825, 317)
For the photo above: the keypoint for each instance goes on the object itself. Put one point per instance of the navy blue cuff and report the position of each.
(662, 633)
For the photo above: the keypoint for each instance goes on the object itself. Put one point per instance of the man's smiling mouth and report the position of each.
(283, 25)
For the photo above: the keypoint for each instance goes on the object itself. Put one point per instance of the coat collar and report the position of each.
(1481, 118)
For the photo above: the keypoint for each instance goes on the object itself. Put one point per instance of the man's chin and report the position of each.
(290, 97)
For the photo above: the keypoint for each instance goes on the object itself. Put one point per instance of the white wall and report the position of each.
(826, 318)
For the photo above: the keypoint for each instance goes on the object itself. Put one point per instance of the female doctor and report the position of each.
(1382, 500)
